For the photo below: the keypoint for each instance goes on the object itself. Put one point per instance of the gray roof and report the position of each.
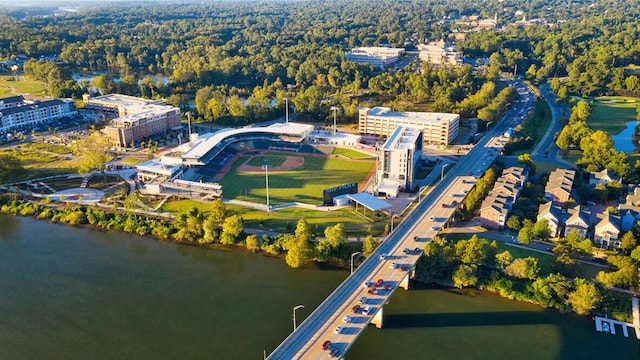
(12, 99)
(23, 108)
(369, 201)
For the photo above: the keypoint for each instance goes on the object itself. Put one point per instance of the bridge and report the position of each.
(393, 261)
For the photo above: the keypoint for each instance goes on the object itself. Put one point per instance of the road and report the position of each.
(557, 111)
(421, 225)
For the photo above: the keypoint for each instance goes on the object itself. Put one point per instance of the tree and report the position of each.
(10, 168)
(470, 252)
(565, 265)
(635, 254)
(513, 223)
(299, 251)
(464, 276)
(625, 276)
(218, 211)
(525, 159)
(92, 153)
(541, 230)
(628, 242)
(252, 242)
(523, 268)
(369, 245)
(302, 230)
(585, 298)
(504, 259)
(231, 229)
(526, 232)
(210, 229)
(335, 235)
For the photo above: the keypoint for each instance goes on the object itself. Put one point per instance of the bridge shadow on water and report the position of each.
(405, 321)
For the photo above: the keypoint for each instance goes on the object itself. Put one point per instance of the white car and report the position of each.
(367, 310)
(394, 265)
(338, 330)
(366, 284)
(347, 318)
(432, 218)
(363, 300)
(383, 256)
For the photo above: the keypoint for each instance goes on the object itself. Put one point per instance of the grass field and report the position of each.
(9, 86)
(304, 184)
(611, 113)
(285, 220)
(51, 148)
(271, 160)
(39, 164)
(351, 154)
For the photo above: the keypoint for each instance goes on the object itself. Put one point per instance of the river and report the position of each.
(77, 293)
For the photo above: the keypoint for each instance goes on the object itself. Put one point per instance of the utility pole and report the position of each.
(335, 112)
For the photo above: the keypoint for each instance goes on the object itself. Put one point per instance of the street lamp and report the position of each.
(286, 110)
(420, 193)
(266, 175)
(442, 170)
(393, 217)
(189, 123)
(297, 307)
(352, 256)
(335, 112)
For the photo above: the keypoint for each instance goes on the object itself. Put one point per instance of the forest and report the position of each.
(268, 50)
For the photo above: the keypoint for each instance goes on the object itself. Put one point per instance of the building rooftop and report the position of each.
(415, 117)
(158, 167)
(403, 137)
(146, 111)
(125, 100)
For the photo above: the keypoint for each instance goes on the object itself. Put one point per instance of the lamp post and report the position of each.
(335, 112)
(420, 193)
(297, 307)
(286, 110)
(180, 143)
(266, 175)
(393, 217)
(442, 170)
(352, 256)
(189, 123)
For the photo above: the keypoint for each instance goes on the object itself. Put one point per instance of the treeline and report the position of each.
(219, 226)
(473, 200)
(468, 263)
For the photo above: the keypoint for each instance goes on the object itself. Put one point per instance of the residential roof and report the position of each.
(28, 107)
(551, 209)
(12, 99)
(608, 219)
(578, 214)
(602, 176)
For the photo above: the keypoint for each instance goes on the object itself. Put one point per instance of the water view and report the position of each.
(623, 141)
(80, 293)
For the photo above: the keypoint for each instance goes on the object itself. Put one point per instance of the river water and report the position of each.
(73, 293)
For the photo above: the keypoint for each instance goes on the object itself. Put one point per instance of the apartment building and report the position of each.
(437, 128)
(558, 188)
(498, 202)
(149, 121)
(438, 52)
(17, 113)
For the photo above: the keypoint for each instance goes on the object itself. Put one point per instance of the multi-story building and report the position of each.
(437, 128)
(118, 104)
(439, 53)
(607, 230)
(498, 202)
(399, 158)
(558, 188)
(150, 120)
(17, 113)
(377, 56)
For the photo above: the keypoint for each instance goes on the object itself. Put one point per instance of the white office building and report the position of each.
(377, 56)
(398, 162)
(437, 128)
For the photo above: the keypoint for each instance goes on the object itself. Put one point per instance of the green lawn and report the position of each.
(52, 148)
(271, 160)
(38, 164)
(351, 154)
(285, 220)
(538, 123)
(9, 86)
(611, 113)
(304, 184)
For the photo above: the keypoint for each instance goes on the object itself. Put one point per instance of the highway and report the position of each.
(420, 226)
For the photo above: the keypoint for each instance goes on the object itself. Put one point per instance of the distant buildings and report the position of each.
(399, 158)
(138, 118)
(437, 128)
(439, 53)
(18, 113)
(496, 206)
(377, 56)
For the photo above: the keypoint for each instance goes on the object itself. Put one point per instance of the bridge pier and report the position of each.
(377, 318)
(405, 281)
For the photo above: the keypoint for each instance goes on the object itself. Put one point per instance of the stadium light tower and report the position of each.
(266, 175)
(286, 110)
(335, 114)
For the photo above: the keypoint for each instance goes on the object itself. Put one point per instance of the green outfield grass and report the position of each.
(611, 113)
(9, 86)
(351, 154)
(304, 184)
(271, 160)
(285, 220)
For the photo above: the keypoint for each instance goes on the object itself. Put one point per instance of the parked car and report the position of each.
(338, 330)
(383, 256)
(326, 345)
(363, 300)
(356, 309)
(347, 318)
(367, 310)
(394, 265)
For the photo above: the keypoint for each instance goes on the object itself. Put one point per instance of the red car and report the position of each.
(326, 345)
(372, 290)
(379, 282)
(355, 309)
